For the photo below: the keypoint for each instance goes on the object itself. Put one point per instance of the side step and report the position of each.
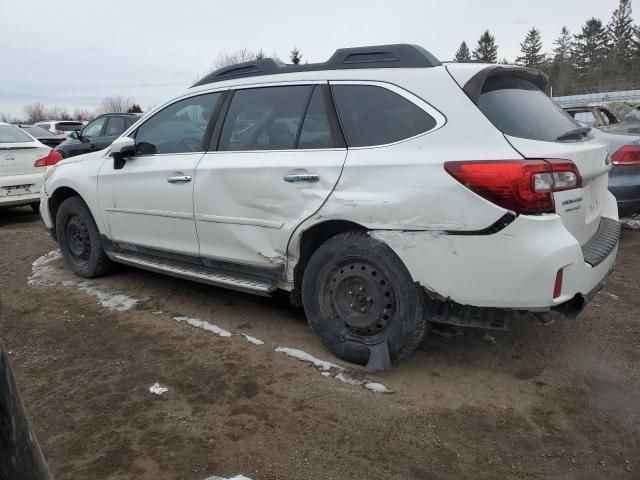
(199, 275)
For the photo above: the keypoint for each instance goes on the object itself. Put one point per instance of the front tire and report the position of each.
(79, 239)
(357, 293)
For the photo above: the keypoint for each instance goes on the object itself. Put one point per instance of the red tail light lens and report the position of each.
(627, 155)
(523, 186)
(51, 159)
(557, 286)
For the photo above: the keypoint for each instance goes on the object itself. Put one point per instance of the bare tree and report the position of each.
(35, 112)
(116, 104)
(8, 118)
(56, 113)
(83, 115)
(230, 58)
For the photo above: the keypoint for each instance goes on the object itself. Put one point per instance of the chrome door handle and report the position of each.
(179, 179)
(301, 177)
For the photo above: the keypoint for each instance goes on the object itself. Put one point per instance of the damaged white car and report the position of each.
(383, 189)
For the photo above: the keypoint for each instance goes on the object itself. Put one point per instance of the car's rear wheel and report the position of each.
(79, 239)
(358, 294)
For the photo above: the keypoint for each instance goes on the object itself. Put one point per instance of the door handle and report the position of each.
(301, 177)
(179, 179)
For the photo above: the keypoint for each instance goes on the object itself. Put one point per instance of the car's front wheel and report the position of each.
(79, 239)
(358, 295)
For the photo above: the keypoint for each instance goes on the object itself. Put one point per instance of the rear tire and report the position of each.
(357, 293)
(79, 239)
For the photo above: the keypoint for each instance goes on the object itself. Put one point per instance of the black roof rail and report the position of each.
(377, 56)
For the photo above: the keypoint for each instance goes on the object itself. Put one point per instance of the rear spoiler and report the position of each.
(473, 88)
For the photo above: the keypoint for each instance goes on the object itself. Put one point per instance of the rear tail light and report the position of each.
(523, 186)
(51, 159)
(627, 155)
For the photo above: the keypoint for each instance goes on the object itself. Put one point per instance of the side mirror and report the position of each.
(122, 148)
(75, 134)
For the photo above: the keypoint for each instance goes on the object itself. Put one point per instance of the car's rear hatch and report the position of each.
(513, 99)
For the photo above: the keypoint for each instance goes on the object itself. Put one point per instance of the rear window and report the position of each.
(520, 109)
(68, 126)
(37, 131)
(373, 115)
(11, 134)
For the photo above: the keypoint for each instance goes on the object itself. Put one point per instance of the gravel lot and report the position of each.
(556, 401)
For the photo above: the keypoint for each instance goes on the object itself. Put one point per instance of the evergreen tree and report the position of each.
(590, 47)
(462, 55)
(135, 108)
(295, 56)
(563, 46)
(531, 49)
(561, 70)
(487, 50)
(620, 33)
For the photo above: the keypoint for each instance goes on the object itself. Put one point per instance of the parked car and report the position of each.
(20, 454)
(43, 136)
(604, 118)
(23, 161)
(61, 127)
(420, 193)
(624, 177)
(97, 134)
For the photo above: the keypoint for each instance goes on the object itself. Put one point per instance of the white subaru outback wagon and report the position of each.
(383, 189)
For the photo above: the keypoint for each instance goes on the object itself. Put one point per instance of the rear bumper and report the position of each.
(34, 180)
(514, 268)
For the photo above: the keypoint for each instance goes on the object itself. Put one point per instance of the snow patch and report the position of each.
(111, 300)
(305, 357)
(158, 389)
(631, 223)
(237, 477)
(204, 325)
(253, 340)
(329, 369)
(377, 387)
(44, 274)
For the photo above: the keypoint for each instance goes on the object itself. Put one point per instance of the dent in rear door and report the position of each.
(245, 210)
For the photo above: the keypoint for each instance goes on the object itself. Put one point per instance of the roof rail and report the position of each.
(376, 56)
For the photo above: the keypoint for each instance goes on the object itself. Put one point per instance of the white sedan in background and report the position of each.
(23, 161)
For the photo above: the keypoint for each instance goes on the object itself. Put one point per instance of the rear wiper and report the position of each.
(575, 134)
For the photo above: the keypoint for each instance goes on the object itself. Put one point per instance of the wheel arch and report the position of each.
(308, 241)
(59, 195)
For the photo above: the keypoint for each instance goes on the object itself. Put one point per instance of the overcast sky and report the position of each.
(73, 53)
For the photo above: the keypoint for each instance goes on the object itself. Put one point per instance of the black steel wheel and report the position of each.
(358, 294)
(79, 239)
(360, 297)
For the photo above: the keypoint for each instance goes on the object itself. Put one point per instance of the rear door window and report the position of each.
(317, 129)
(115, 126)
(519, 108)
(266, 118)
(372, 115)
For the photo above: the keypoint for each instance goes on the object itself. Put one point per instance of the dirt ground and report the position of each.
(558, 401)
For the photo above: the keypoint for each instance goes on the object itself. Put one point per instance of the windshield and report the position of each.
(519, 108)
(11, 134)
